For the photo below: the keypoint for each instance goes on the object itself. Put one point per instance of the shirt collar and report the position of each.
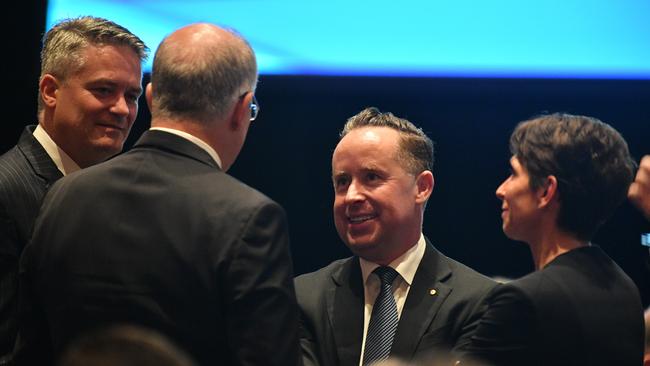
(406, 264)
(197, 141)
(63, 161)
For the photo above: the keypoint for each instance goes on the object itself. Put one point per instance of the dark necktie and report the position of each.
(383, 320)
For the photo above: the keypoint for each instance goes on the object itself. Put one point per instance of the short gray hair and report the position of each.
(61, 54)
(201, 84)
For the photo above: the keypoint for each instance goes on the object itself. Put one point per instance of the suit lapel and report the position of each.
(345, 305)
(426, 295)
(37, 157)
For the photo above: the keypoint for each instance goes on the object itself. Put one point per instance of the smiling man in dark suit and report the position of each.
(161, 236)
(88, 91)
(381, 170)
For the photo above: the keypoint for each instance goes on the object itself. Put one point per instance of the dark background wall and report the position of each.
(287, 154)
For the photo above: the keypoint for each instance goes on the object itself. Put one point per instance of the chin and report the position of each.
(355, 245)
(108, 145)
(110, 151)
(105, 152)
(513, 236)
(507, 233)
(362, 248)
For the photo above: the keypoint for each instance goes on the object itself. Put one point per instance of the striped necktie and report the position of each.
(383, 320)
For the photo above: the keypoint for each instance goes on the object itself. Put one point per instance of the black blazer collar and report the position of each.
(35, 153)
(427, 293)
(345, 306)
(176, 144)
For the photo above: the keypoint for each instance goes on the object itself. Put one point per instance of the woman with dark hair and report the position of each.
(569, 173)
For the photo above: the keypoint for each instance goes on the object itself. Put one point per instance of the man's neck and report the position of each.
(203, 131)
(195, 140)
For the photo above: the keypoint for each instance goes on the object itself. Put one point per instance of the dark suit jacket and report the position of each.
(26, 172)
(332, 304)
(581, 309)
(162, 238)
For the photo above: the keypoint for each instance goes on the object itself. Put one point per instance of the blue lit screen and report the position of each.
(459, 38)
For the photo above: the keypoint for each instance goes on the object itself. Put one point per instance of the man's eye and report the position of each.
(132, 97)
(339, 182)
(103, 90)
(372, 177)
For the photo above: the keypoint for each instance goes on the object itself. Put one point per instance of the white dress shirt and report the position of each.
(63, 162)
(197, 141)
(406, 265)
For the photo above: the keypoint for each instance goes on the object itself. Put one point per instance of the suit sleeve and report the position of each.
(308, 346)
(263, 314)
(8, 283)
(33, 344)
(504, 334)
(473, 320)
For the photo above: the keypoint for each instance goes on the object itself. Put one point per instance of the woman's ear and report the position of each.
(548, 192)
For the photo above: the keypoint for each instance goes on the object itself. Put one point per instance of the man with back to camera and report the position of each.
(381, 171)
(89, 86)
(568, 175)
(170, 241)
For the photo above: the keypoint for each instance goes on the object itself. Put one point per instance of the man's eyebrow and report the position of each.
(111, 82)
(103, 81)
(371, 168)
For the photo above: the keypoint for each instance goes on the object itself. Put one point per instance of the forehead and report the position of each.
(117, 60)
(367, 146)
(369, 138)
(516, 164)
(519, 169)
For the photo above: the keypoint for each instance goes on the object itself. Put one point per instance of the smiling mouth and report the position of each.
(360, 219)
(114, 125)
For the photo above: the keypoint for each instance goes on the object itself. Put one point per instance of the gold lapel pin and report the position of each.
(432, 291)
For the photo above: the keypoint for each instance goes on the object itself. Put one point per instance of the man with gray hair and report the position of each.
(89, 86)
(170, 241)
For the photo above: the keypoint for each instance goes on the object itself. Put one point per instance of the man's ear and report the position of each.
(424, 182)
(48, 86)
(241, 112)
(148, 95)
(548, 192)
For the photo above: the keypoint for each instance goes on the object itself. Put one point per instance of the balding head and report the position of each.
(199, 72)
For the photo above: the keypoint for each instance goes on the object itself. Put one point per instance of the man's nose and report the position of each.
(121, 106)
(354, 193)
